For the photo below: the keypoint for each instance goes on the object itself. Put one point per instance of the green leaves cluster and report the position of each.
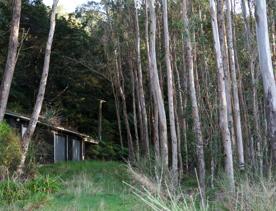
(10, 147)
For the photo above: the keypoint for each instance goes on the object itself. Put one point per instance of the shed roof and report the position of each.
(85, 137)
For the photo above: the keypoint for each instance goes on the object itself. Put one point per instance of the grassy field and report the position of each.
(90, 185)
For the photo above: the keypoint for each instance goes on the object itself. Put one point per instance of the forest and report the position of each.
(179, 94)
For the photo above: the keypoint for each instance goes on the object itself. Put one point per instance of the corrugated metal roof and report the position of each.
(85, 137)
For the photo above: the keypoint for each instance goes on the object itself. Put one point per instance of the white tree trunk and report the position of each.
(266, 71)
(170, 93)
(225, 59)
(133, 82)
(141, 88)
(156, 86)
(273, 30)
(237, 115)
(117, 108)
(41, 92)
(155, 115)
(222, 96)
(11, 58)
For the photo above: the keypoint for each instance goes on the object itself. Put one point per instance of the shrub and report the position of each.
(43, 184)
(10, 147)
(106, 151)
(11, 191)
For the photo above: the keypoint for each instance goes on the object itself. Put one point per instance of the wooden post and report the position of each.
(100, 119)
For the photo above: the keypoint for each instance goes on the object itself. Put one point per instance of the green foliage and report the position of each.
(106, 151)
(12, 190)
(44, 184)
(10, 147)
(4, 129)
(87, 185)
(74, 84)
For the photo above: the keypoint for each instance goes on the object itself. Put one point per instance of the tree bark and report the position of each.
(252, 58)
(118, 78)
(118, 116)
(179, 111)
(41, 92)
(193, 95)
(237, 115)
(170, 93)
(223, 103)
(156, 89)
(266, 71)
(141, 88)
(135, 124)
(11, 58)
(273, 37)
(225, 59)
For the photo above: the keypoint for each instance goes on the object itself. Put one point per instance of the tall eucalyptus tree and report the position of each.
(266, 71)
(226, 138)
(41, 92)
(11, 58)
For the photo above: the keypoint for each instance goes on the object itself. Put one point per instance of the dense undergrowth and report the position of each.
(253, 193)
(12, 191)
(106, 185)
(90, 185)
(250, 195)
(10, 150)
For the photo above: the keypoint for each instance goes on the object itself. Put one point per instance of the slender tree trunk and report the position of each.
(139, 114)
(141, 88)
(155, 115)
(117, 107)
(184, 92)
(223, 103)
(237, 115)
(266, 71)
(193, 94)
(273, 30)
(158, 98)
(41, 92)
(224, 52)
(135, 124)
(252, 57)
(170, 93)
(156, 139)
(179, 113)
(11, 58)
(121, 92)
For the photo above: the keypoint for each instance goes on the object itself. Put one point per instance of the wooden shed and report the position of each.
(52, 143)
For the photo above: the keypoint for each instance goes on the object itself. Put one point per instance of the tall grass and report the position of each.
(82, 184)
(168, 201)
(252, 193)
(158, 191)
(12, 190)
